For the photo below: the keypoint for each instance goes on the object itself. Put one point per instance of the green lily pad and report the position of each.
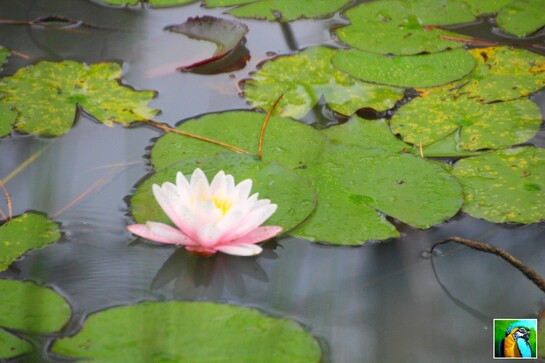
(522, 17)
(32, 308)
(12, 346)
(399, 27)
(429, 119)
(344, 201)
(45, 97)
(23, 233)
(292, 192)
(426, 70)
(306, 77)
(504, 186)
(502, 74)
(479, 7)
(282, 142)
(188, 332)
(4, 54)
(153, 3)
(7, 118)
(281, 10)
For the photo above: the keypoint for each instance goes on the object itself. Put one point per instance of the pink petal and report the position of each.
(160, 232)
(241, 250)
(257, 235)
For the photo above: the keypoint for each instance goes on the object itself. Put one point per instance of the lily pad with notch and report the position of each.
(305, 77)
(12, 346)
(46, 96)
(181, 331)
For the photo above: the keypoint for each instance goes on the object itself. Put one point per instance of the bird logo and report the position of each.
(515, 344)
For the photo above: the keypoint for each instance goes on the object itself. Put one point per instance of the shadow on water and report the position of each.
(381, 302)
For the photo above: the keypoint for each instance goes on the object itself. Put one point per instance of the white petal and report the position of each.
(241, 191)
(207, 235)
(160, 232)
(184, 189)
(241, 249)
(251, 221)
(218, 186)
(198, 180)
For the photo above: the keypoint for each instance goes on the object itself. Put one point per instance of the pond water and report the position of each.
(382, 302)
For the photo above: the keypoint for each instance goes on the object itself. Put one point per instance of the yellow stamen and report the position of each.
(223, 204)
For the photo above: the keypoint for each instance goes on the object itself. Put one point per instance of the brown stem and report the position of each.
(485, 247)
(265, 122)
(198, 137)
(469, 40)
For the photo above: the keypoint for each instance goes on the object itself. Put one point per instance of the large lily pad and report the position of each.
(479, 7)
(399, 27)
(292, 192)
(504, 186)
(12, 346)
(429, 119)
(522, 17)
(32, 308)
(306, 77)
(501, 74)
(23, 233)
(336, 177)
(188, 332)
(45, 97)
(281, 10)
(426, 70)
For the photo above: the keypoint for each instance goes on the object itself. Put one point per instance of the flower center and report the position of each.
(222, 204)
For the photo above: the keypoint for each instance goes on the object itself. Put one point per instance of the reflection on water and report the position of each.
(378, 303)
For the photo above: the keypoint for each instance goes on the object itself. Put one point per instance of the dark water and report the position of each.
(377, 303)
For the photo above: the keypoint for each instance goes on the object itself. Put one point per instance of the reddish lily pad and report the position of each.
(226, 34)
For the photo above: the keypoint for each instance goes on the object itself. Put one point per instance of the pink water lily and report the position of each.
(219, 216)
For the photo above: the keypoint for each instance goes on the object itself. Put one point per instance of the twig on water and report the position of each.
(485, 247)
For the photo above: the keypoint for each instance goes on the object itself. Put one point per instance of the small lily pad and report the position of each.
(280, 10)
(522, 17)
(23, 233)
(12, 346)
(4, 54)
(400, 27)
(426, 70)
(306, 77)
(188, 332)
(32, 308)
(479, 7)
(226, 34)
(45, 97)
(427, 120)
(504, 186)
(502, 74)
(291, 192)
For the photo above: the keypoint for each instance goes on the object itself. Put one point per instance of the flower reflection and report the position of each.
(219, 216)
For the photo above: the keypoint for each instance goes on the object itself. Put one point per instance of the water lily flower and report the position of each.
(219, 216)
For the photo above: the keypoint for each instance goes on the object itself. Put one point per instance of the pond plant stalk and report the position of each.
(9, 217)
(531, 274)
(264, 126)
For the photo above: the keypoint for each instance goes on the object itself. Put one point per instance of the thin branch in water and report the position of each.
(531, 274)
(19, 54)
(26, 163)
(198, 137)
(265, 122)
(8, 201)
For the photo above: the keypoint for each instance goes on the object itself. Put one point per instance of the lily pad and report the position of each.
(479, 7)
(188, 332)
(426, 70)
(335, 171)
(504, 186)
(45, 97)
(32, 308)
(4, 54)
(280, 10)
(522, 17)
(429, 119)
(502, 74)
(23, 233)
(400, 27)
(306, 77)
(12, 346)
(292, 192)
(153, 3)
(226, 34)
